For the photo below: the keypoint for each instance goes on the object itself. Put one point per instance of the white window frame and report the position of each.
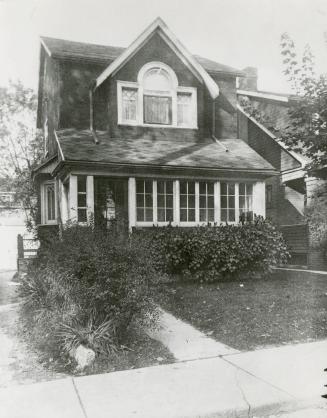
(176, 202)
(139, 121)
(44, 203)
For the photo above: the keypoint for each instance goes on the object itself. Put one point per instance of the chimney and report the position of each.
(250, 80)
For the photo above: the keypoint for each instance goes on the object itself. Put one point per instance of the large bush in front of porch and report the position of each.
(87, 287)
(210, 253)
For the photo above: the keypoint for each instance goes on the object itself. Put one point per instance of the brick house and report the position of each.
(288, 194)
(145, 136)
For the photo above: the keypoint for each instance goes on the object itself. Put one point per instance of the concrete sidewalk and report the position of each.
(262, 383)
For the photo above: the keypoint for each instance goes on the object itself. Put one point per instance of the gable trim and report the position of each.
(174, 44)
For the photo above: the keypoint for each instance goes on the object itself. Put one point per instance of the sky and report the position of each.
(239, 33)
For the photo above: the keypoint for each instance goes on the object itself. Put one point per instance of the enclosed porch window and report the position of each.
(189, 202)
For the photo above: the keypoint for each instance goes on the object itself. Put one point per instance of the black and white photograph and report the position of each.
(163, 209)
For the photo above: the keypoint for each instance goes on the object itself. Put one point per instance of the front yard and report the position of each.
(253, 313)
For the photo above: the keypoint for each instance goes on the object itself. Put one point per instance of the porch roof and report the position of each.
(230, 154)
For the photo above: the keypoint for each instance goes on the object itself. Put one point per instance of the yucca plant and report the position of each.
(100, 337)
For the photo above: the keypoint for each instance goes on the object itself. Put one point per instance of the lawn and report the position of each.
(255, 312)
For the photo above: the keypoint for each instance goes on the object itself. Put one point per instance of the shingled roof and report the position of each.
(170, 152)
(62, 48)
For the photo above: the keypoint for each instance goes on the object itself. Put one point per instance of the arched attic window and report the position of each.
(157, 99)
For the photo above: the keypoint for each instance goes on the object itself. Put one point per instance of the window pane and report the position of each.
(140, 200)
(140, 215)
(203, 215)
(211, 203)
(249, 202)
(183, 215)
(211, 215)
(191, 215)
(169, 201)
(148, 201)
(210, 187)
(169, 187)
(161, 201)
(191, 187)
(157, 109)
(223, 188)
(249, 189)
(161, 187)
(183, 187)
(161, 215)
(148, 186)
(81, 213)
(184, 107)
(202, 187)
(231, 188)
(81, 183)
(148, 215)
(169, 215)
(223, 201)
(129, 97)
(203, 202)
(81, 200)
(191, 201)
(242, 188)
(231, 201)
(50, 196)
(223, 215)
(242, 202)
(157, 79)
(183, 201)
(139, 186)
(231, 215)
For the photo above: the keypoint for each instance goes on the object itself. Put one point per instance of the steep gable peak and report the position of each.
(160, 27)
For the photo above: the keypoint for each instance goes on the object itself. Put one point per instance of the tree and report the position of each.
(307, 132)
(21, 144)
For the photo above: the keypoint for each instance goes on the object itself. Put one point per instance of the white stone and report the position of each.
(83, 356)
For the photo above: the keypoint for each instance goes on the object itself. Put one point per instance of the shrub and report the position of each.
(87, 287)
(210, 253)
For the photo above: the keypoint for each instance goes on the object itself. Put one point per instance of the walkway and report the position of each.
(263, 383)
(184, 341)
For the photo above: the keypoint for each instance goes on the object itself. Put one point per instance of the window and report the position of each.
(184, 109)
(245, 201)
(81, 199)
(269, 196)
(156, 99)
(198, 202)
(165, 201)
(227, 202)
(49, 203)
(206, 201)
(129, 104)
(187, 201)
(144, 201)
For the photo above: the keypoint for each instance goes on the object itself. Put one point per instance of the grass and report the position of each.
(255, 312)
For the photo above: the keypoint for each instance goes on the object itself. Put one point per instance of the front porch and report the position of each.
(130, 202)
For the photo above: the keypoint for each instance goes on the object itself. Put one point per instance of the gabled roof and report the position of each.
(63, 48)
(78, 146)
(159, 26)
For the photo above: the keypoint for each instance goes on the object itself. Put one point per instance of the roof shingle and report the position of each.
(62, 48)
(170, 152)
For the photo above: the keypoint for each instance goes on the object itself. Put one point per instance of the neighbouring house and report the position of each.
(262, 116)
(152, 134)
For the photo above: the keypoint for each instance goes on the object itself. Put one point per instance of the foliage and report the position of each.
(307, 132)
(316, 215)
(87, 287)
(212, 253)
(21, 145)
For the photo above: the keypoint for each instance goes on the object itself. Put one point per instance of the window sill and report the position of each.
(148, 125)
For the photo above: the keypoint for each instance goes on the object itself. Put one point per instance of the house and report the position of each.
(288, 194)
(146, 135)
